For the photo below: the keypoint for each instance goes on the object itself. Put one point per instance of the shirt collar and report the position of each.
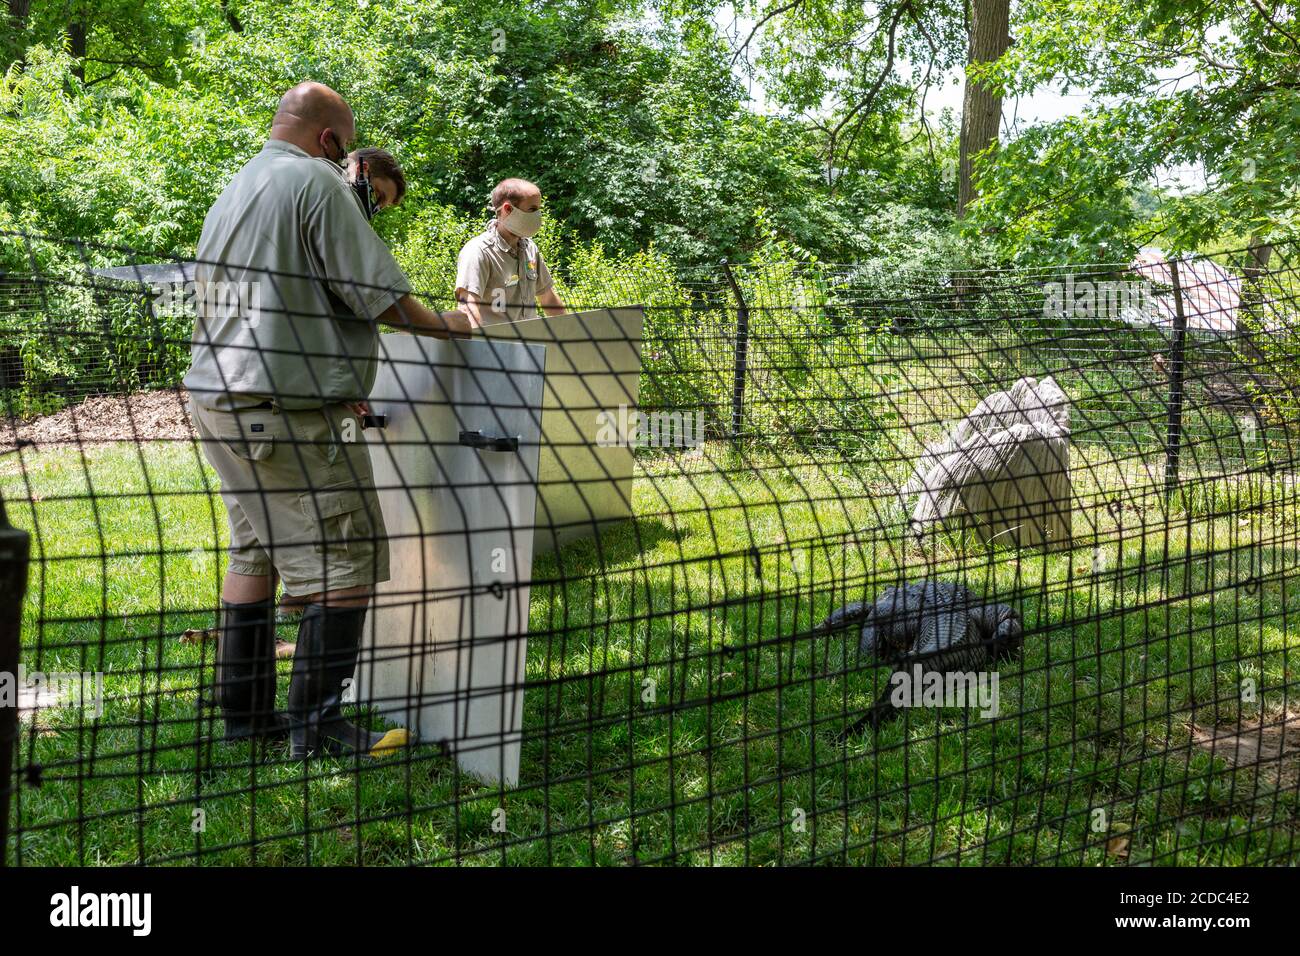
(501, 244)
(280, 146)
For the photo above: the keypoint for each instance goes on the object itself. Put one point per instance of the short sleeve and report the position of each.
(472, 269)
(358, 266)
(544, 281)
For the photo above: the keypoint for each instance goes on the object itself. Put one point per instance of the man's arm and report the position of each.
(411, 315)
(552, 303)
(471, 305)
(471, 280)
(546, 290)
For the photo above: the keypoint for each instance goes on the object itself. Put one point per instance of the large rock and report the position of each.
(1004, 470)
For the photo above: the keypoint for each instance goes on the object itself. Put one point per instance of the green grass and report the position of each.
(739, 742)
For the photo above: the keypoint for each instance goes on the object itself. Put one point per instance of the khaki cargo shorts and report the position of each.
(300, 494)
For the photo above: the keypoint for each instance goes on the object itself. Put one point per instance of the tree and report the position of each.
(637, 128)
(109, 37)
(854, 71)
(982, 105)
(1210, 85)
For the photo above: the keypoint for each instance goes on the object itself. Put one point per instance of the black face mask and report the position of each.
(365, 192)
(343, 153)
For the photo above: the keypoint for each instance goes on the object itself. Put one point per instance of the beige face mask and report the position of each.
(522, 223)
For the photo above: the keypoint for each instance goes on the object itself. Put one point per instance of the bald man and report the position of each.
(500, 275)
(294, 281)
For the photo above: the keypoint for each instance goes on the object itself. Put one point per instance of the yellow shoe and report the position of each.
(393, 740)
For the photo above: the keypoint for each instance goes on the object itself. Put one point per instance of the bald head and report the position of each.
(315, 119)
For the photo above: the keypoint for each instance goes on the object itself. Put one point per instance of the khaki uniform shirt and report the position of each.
(507, 281)
(290, 276)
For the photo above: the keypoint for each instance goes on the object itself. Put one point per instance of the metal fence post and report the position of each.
(742, 355)
(15, 548)
(1177, 357)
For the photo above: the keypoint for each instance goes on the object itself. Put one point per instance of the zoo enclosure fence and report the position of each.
(680, 702)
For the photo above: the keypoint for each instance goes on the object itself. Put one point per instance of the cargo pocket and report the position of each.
(339, 515)
(249, 435)
(248, 447)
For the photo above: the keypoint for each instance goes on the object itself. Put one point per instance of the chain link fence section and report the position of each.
(769, 659)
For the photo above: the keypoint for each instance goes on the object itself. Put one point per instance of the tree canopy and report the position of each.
(120, 121)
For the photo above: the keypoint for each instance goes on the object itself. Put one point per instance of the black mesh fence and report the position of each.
(784, 563)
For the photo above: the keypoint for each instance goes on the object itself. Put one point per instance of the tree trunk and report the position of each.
(1259, 254)
(77, 48)
(981, 108)
(231, 17)
(13, 46)
(1252, 298)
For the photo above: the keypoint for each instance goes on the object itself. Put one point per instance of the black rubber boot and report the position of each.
(329, 640)
(245, 673)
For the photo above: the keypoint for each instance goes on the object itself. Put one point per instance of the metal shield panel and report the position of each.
(593, 375)
(446, 645)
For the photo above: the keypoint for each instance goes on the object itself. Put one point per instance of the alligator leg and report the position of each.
(1007, 640)
(879, 712)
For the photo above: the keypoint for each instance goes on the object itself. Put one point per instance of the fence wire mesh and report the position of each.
(789, 563)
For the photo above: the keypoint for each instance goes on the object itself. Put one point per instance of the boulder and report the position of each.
(1004, 470)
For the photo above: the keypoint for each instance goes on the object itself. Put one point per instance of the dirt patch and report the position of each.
(1269, 744)
(143, 416)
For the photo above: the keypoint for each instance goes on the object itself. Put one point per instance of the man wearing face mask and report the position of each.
(379, 183)
(279, 376)
(500, 275)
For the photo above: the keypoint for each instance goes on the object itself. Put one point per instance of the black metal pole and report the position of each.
(15, 548)
(1178, 354)
(742, 355)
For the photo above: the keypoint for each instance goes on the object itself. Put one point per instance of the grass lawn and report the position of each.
(711, 594)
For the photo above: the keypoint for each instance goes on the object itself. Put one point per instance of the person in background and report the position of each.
(379, 170)
(500, 274)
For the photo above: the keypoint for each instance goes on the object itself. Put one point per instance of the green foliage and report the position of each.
(427, 249)
(126, 166)
(120, 36)
(632, 117)
(85, 336)
(638, 132)
(1270, 318)
(1193, 84)
(1062, 193)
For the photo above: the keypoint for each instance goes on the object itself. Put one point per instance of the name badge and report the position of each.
(512, 281)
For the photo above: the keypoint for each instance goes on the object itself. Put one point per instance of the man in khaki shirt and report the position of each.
(291, 282)
(500, 274)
